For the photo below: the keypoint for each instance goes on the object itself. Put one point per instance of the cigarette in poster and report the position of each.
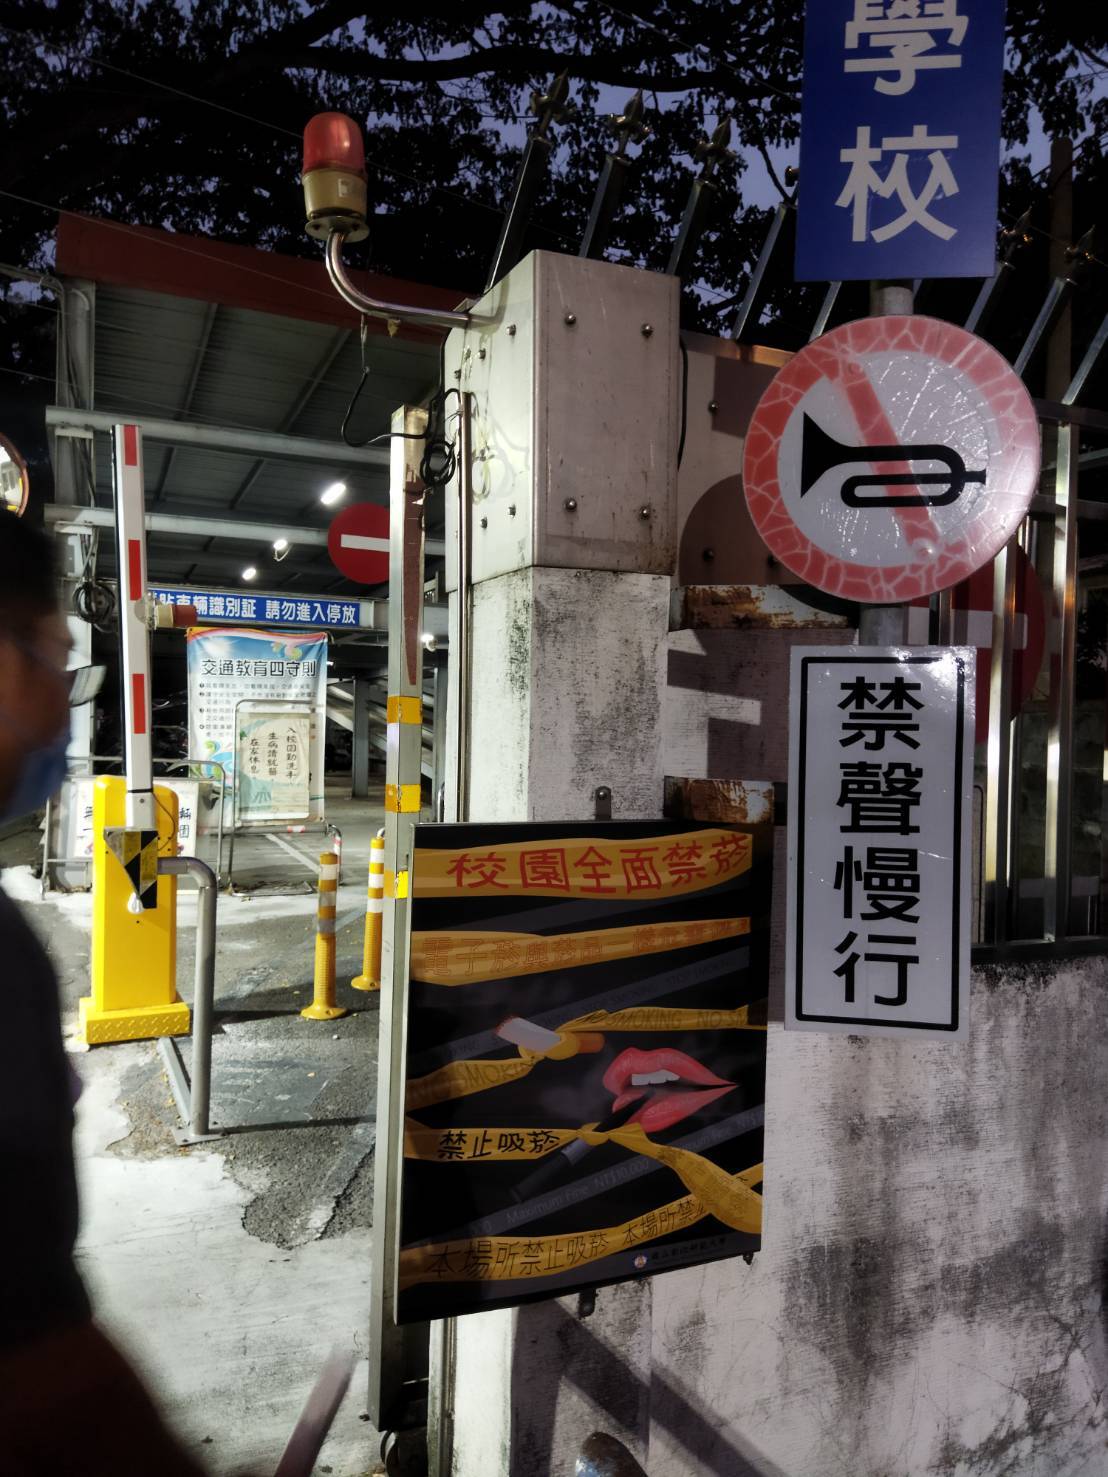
(557, 1045)
(565, 1158)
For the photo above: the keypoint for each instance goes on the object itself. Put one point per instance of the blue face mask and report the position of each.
(39, 776)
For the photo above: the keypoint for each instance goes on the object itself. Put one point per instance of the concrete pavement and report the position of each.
(230, 1269)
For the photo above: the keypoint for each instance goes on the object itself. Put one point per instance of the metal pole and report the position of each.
(711, 152)
(463, 657)
(359, 746)
(387, 1352)
(443, 1338)
(547, 108)
(827, 307)
(372, 307)
(883, 625)
(1012, 241)
(273, 445)
(194, 1099)
(750, 307)
(890, 299)
(609, 192)
(440, 679)
(1088, 363)
(944, 618)
(997, 860)
(1059, 748)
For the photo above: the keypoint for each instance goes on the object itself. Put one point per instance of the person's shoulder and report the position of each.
(12, 921)
(20, 946)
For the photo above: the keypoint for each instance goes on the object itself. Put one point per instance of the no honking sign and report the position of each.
(891, 458)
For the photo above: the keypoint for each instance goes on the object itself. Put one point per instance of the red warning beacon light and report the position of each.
(334, 177)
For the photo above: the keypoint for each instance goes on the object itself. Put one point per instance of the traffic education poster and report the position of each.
(268, 686)
(585, 1057)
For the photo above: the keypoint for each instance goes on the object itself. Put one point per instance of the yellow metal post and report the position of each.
(323, 1006)
(370, 977)
(134, 951)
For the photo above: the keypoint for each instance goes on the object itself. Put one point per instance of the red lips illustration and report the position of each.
(674, 1085)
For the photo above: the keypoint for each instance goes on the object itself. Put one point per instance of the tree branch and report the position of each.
(524, 61)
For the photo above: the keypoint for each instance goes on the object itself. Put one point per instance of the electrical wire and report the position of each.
(439, 463)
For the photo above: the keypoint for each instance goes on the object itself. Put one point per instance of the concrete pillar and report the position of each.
(569, 668)
(359, 751)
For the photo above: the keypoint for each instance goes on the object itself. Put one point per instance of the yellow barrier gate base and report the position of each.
(134, 954)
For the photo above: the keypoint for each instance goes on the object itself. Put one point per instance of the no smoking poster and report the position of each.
(585, 1058)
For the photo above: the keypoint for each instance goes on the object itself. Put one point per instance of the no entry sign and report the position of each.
(358, 543)
(891, 458)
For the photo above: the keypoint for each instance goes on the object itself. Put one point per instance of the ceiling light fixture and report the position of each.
(332, 494)
(250, 573)
(280, 548)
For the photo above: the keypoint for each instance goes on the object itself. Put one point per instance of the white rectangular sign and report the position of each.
(272, 765)
(80, 834)
(880, 805)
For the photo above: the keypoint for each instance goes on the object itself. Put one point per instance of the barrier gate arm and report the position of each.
(134, 636)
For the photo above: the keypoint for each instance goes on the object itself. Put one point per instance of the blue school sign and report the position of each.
(900, 139)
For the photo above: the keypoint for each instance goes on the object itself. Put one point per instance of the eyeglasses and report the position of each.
(82, 683)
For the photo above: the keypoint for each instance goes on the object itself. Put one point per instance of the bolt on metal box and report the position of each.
(574, 367)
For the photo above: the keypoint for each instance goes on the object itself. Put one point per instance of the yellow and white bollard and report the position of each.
(370, 977)
(324, 1006)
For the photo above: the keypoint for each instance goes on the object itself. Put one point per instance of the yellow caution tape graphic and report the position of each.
(511, 1258)
(587, 867)
(728, 1200)
(459, 958)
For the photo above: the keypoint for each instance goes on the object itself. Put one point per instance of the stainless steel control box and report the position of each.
(575, 371)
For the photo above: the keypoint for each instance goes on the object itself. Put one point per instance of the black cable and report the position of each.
(356, 445)
(94, 602)
(439, 463)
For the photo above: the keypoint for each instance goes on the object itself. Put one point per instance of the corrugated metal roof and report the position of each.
(182, 359)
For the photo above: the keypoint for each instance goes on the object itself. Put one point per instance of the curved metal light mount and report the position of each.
(403, 312)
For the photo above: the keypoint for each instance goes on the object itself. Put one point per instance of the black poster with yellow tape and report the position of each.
(585, 1058)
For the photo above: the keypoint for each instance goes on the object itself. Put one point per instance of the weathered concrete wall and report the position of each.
(567, 668)
(929, 1298)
